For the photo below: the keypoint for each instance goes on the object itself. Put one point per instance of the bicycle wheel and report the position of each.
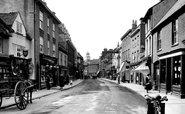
(21, 95)
(1, 99)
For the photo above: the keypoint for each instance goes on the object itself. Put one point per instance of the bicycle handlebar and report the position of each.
(157, 98)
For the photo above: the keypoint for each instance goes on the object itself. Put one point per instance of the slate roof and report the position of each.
(4, 29)
(9, 18)
(177, 6)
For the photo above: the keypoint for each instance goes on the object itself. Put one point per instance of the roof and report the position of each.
(149, 11)
(4, 29)
(177, 6)
(47, 8)
(9, 18)
(94, 61)
(130, 30)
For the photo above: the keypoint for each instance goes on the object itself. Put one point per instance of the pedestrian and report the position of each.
(62, 81)
(118, 79)
(47, 79)
(148, 83)
(67, 79)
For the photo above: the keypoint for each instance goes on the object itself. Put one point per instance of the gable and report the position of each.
(18, 20)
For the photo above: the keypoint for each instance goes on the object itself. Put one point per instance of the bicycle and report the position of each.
(155, 105)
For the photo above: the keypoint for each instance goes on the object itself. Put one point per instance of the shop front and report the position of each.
(140, 69)
(171, 74)
(124, 71)
(48, 65)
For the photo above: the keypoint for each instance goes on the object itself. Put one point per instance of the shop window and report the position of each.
(163, 71)
(176, 70)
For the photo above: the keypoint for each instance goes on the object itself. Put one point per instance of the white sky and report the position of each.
(97, 24)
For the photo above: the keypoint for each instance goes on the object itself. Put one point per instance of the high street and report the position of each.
(89, 97)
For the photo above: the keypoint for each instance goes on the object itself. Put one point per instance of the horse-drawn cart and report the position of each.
(13, 82)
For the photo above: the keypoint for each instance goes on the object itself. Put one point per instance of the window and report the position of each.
(61, 58)
(1, 45)
(53, 30)
(149, 46)
(137, 55)
(132, 43)
(148, 24)
(128, 54)
(41, 45)
(48, 47)
(54, 50)
(48, 25)
(19, 27)
(159, 40)
(41, 20)
(163, 71)
(176, 70)
(174, 32)
(17, 50)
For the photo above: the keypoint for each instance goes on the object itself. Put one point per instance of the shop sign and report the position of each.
(25, 53)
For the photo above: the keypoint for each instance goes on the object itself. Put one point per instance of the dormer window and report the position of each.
(19, 27)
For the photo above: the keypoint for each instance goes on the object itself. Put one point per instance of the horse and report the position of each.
(30, 86)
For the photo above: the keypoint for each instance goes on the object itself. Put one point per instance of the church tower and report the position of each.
(87, 56)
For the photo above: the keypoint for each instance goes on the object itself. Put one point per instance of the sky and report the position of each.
(97, 24)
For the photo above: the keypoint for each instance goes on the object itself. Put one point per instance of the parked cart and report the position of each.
(13, 82)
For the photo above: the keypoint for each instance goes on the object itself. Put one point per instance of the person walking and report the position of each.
(148, 83)
(62, 81)
(118, 79)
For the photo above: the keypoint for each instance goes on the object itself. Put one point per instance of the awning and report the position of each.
(143, 68)
(122, 67)
(98, 72)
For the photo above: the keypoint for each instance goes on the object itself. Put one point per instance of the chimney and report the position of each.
(53, 12)
(134, 24)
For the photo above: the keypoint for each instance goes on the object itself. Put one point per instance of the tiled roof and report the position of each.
(8, 18)
(4, 29)
(178, 5)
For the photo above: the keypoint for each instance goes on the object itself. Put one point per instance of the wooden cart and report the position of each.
(13, 83)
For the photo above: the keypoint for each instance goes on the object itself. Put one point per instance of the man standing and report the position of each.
(47, 81)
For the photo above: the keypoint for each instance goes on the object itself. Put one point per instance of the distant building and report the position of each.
(93, 67)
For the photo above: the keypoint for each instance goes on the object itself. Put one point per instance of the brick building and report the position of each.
(169, 50)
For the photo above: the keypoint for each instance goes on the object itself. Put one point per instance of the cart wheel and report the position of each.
(1, 99)
(21, 95)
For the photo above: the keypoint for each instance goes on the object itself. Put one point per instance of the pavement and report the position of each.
(174, 105)
(9, 101)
